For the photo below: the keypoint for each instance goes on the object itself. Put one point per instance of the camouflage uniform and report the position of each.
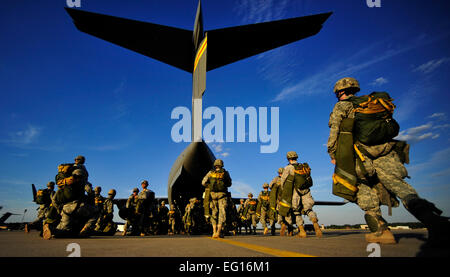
(382, 170)
(131, 214)
(105, 223)
(218, 180)
(263, 201)
(302, 201)
(385, 163)
(250, 212)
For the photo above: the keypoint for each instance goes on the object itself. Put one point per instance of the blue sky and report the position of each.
(65, 93)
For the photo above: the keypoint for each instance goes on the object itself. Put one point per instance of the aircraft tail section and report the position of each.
(232, 44)
(163, 43)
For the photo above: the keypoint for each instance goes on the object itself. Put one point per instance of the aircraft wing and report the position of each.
(166, 44)
(232, 44)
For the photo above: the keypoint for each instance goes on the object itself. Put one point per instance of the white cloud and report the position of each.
(25, 136)
(225, 154)
(324, 80)
(416, 134)
(379, 81)
(430, 66)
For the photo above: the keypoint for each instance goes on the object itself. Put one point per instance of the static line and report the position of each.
(265, 250)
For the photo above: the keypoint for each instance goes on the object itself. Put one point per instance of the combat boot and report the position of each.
(254, 230)
(219, 231)
(317, 228)
(301, 232)
(283, 230)
(26, 229)
(272, 230)
(215, 235)
(46, 231)
(438, 226)
(386, 237)
(266, 230)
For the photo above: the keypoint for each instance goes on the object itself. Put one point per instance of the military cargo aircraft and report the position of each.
(6, 226)
(196, 52)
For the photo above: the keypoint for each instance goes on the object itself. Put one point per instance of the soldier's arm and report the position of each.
(205, 179)
(340, 112)
(288, 170)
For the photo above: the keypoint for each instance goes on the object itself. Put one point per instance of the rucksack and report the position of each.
(374, 123)
(43, 197)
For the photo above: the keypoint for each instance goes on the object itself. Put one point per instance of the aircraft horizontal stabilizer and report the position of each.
(163, 43)
(232, 44)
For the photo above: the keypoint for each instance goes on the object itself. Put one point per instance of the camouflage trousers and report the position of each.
(80, 212)
(302, 203)
(253, 218)
(218, 206)
(391, 173)
(264, 215)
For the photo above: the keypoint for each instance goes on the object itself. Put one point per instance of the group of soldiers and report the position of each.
(284, 204)
(369, 171)
(75, 209)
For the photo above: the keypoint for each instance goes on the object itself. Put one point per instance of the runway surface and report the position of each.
(334, 243)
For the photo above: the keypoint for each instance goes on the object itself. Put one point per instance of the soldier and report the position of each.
(218, 180)
(143, 208)
(296, 181)
(242, 222)
(250, 212)
(264, 206)
(163, 218)
(79, 163)
(173, 218)
(231, 223)
(188, 217)
(274, 199)
(105, 224)
(44, 199)
(380, 163)
(98, 199)
(131, 214)
(70, 202)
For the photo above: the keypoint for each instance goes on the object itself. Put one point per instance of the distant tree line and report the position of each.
(412, 225)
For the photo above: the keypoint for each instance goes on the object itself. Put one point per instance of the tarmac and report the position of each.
(334, 243)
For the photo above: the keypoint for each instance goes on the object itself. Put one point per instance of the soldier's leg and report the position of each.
(308, 203)
(391, 173)
(222, 203)
(368, 201)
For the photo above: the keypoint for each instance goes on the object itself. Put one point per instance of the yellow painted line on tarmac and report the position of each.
(263, 249)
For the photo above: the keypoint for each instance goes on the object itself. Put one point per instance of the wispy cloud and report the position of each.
(419, 133)
(323, 81)
(25, 136)
(438, 116)
(256, 11)
(241, 189)
(432, 65)
(379, 81)
(219, 150)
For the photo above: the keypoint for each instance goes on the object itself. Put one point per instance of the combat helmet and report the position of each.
(280, 170)
(112, 192)
(51, 184)
(98, 189)
(265, 185)
(218, 162)
(135, 190)
(80, 159)
(292, 155)
(348, 83)
(250, 194)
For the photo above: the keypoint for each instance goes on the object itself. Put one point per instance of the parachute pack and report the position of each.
(374, 123)
(43, 197)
